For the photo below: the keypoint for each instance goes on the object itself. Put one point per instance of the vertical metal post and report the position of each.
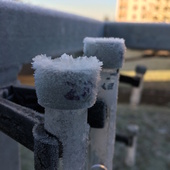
(66, 94)
(46, 149)
(137, 91)
(131, 150)
(111, 52)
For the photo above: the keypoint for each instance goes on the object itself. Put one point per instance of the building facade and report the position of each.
(143, 11)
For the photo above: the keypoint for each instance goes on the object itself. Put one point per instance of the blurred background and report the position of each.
(112, 10)
(152, 114)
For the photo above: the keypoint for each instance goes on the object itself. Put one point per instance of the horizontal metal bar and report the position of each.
(18, 115)
(47, 149)
(143, 36)
(134, 81)
(17, 122)
(127, 140)
(25, 96)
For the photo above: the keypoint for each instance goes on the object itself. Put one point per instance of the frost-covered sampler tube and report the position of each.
(66, 87)
(111, 52)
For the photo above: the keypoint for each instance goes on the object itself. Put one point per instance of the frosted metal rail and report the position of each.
(141, 36)
(26, 31)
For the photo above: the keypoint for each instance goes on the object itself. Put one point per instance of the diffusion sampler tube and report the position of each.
(66, 87)
(111, 52)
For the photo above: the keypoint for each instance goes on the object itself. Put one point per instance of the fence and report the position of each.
(26, 31)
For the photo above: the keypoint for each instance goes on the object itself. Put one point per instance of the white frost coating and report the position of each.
(103, 40)
(67, 63)
(66, 83)
(109, 50)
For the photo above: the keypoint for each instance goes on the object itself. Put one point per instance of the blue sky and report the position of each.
(97, 9)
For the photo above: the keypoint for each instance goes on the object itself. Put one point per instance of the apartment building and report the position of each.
(143, 11)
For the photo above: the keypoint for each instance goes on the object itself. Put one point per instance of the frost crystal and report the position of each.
(67, 63)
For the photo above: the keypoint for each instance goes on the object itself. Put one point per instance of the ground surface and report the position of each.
(153, 145)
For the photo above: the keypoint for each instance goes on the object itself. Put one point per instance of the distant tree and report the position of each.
(106, 18)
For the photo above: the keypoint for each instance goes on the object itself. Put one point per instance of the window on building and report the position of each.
(166, 8)
(155, 18)
(121, 16)
(165, 18)
(135, 7)
(156, 8)
(143, 16)
(143, 7)
(134, 16)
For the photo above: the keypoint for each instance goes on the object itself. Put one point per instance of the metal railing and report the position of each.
(26, 31)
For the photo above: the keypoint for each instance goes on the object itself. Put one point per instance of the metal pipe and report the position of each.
(111, 52)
